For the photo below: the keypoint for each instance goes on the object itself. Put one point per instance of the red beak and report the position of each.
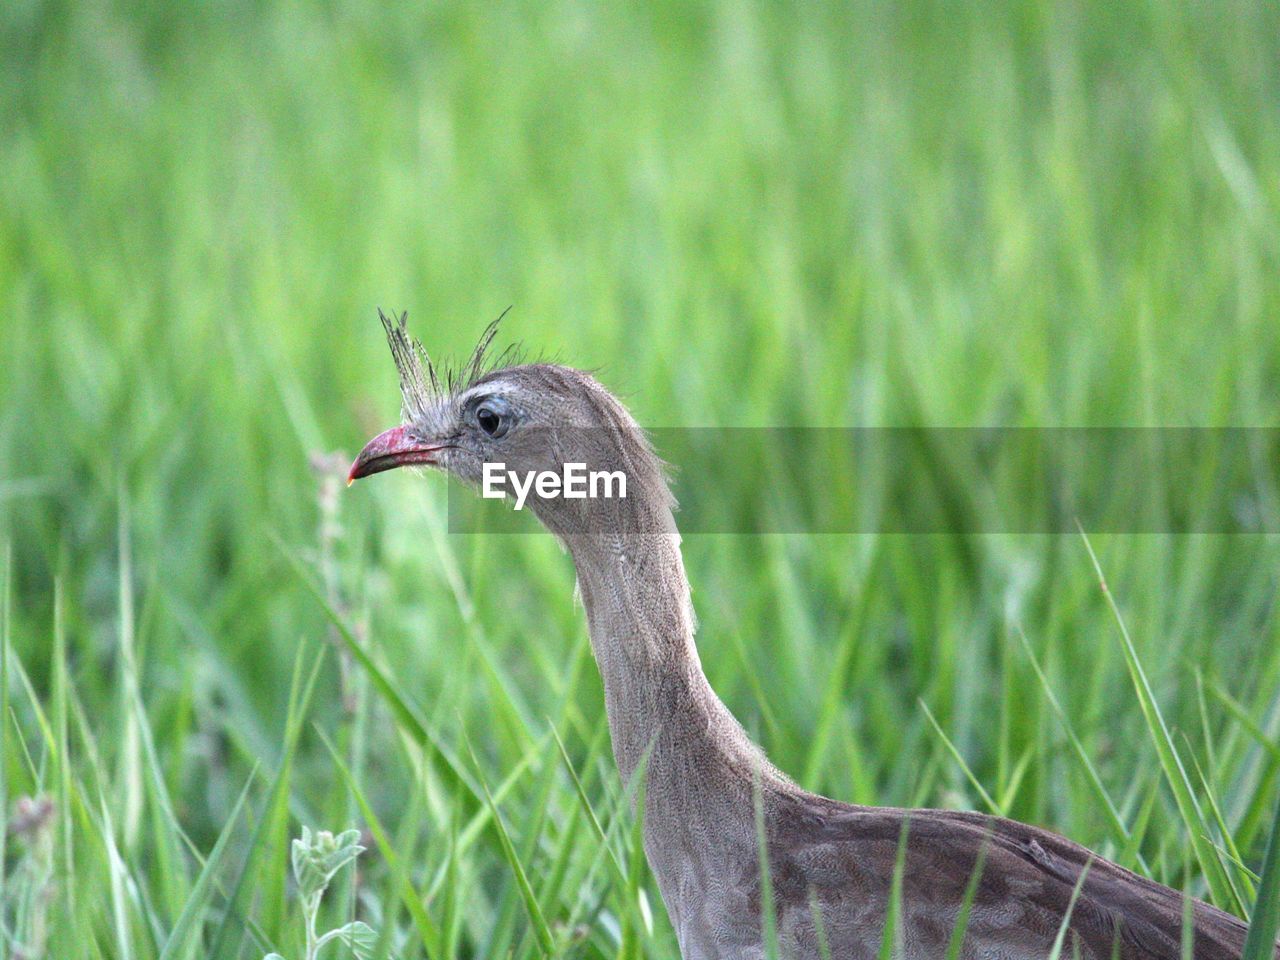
(395, 448)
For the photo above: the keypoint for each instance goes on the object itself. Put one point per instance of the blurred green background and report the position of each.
(743, 214)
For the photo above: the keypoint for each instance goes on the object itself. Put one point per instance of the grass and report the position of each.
(742, 214)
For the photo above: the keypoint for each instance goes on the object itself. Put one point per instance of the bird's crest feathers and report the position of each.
(422, 382)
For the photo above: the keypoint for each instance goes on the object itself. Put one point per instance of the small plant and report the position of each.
(317, 858)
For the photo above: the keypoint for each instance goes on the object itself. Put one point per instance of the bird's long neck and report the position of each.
(661, 709)
(670, 731)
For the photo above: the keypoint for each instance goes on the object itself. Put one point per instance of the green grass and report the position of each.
(741, 214)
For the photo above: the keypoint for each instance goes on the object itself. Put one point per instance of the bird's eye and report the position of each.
(491, 421)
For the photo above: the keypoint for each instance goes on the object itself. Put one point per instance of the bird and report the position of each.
(750, 865)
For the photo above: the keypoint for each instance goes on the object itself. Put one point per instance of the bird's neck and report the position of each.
(662, 711)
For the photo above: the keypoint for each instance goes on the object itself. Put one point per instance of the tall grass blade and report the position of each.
(819, 928)
(1120, 833)
(545, 938)
(5, 643)
(202, 892)
(891, 938)
(401, 706)
(619, 874)
(956, 944)
(272, 825)
(768, 909)
(1063, 928)
(1193, 818)
(1264, 925)
(964, 767)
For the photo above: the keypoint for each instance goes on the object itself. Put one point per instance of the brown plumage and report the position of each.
(708, 790)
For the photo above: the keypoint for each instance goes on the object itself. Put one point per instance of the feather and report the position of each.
(423, 382)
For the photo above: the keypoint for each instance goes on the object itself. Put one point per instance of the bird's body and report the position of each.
(831, 865)
(709, 793)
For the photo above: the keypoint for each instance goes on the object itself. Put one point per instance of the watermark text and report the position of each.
(574, 482)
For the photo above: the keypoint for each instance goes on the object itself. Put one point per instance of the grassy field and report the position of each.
(742, 214)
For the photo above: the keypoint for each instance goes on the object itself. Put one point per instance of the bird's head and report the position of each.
(533, 419)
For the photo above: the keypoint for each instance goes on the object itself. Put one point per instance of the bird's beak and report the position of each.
(395, 448)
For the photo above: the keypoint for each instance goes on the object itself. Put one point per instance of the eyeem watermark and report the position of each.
(575, 482)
